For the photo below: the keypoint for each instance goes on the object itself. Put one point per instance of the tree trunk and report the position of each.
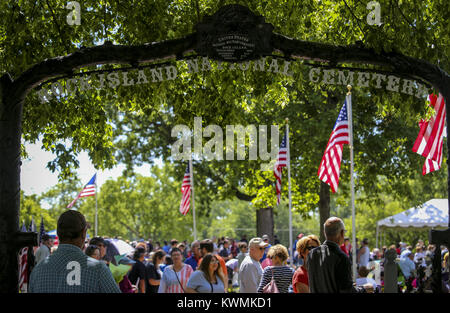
(265, 223)
(324, 207)
(10, 137)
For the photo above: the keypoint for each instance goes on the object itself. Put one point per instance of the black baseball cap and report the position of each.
(71, 224)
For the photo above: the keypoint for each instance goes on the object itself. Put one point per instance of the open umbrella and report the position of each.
(116, 247)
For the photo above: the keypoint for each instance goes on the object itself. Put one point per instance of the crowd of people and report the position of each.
(222, 265)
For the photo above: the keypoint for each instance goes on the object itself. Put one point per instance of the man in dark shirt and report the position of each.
(149, 245)
(138, 274)
(225, 251)
(329, 269)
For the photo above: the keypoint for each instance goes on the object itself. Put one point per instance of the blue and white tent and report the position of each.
(433, 214)
(52, 233)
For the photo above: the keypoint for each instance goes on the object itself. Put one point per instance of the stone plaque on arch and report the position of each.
(234, 34)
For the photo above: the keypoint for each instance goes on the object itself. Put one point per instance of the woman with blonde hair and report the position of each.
(281, 273)
(300, 282)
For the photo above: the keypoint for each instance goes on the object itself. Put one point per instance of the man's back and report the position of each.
(407, 266)
(69, 270)
(250, 273)
(41, 253)
(329, 270)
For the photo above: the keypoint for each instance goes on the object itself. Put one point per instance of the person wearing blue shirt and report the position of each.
(407, 265)
(408, 268)
(265, 238)
(166, 247)
(196, 255)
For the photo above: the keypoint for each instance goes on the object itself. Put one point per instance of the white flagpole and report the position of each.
(192, 196)
(290, 199)
(352, 183)
(96, 209)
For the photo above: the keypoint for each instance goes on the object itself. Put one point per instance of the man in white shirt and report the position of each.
(250, 271)
(44, 250)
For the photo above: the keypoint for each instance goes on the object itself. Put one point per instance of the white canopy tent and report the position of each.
(433, 214)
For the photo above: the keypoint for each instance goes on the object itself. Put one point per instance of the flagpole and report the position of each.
(290, 199)
(96, 209)
(193, 201)
(352, 183)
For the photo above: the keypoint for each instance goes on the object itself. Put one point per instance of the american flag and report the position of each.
(186, 192)
(88, 190)
(23, 269)
(278, 168)
(32, 227)
(429, 142)
(41, 230)
(331, 161)
(23, 277)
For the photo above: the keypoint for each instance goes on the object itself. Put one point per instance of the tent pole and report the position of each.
(376, 236)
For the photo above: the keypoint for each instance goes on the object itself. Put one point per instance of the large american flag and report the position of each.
(429, 142)
(186, 192)
(331, 161)
(278, 168)
(88, 190)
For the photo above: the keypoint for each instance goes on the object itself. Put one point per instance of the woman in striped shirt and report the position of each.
(175, 277)
(281, 273)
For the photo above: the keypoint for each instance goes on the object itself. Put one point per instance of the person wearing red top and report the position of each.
(300, 282)
(234, 248)
(346, 246)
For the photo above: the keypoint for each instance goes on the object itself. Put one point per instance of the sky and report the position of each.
(36, 178)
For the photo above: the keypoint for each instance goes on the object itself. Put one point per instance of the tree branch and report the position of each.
(357, 19)
(104, 54)
(404, 17)
(129, 228)
(240, 195)
(396, 62)
(55, 20)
